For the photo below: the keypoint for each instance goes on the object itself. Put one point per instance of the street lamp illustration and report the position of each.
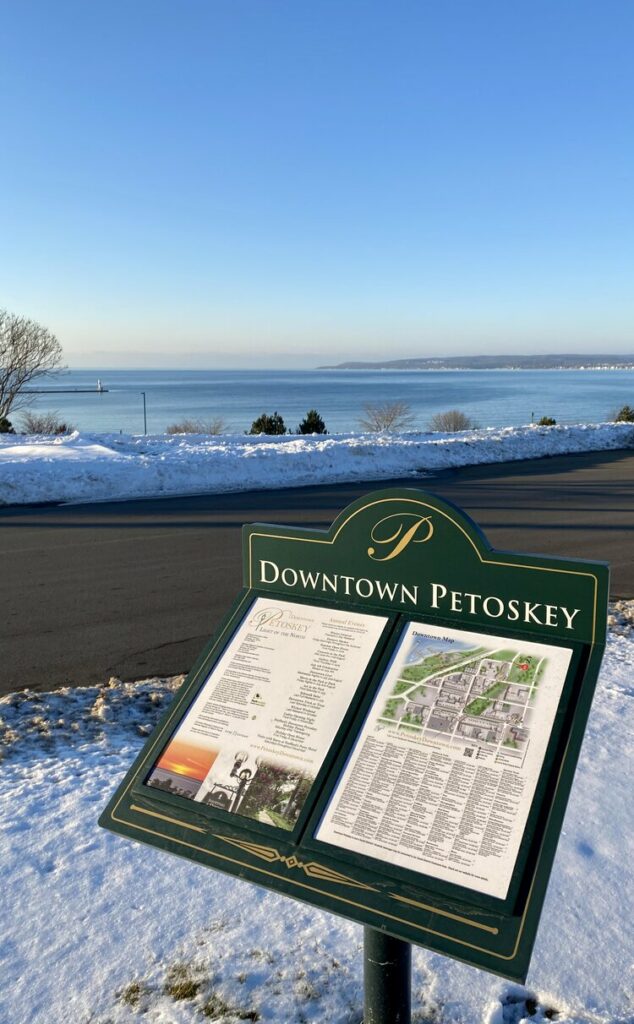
(239, 760)
(229, 797)
(245, 778)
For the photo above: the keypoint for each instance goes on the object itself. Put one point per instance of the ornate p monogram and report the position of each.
(399, 533)
(266, 617)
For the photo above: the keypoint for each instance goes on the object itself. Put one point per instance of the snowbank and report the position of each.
(98, 929)
(97, 467)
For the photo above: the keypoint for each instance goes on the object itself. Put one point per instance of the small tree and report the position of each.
(28, 351)
(388, 417)
(625, 415)
(266, 424)
(547, 421)
(451, 421)
(312, 424)
(44, 423)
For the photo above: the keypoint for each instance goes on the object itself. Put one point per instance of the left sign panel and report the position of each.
(257, 734)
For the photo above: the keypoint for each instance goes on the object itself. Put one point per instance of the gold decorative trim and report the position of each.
(312, 888)
(445, 913)
(310, 868)
(165, 817)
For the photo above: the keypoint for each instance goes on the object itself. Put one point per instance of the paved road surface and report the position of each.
(136, 588)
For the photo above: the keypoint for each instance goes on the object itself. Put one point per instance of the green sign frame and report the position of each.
(408, 556)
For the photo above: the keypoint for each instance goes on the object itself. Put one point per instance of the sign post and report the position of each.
(386, 726)
(387, 978)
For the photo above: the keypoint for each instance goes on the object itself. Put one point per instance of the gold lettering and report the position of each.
(401, 536)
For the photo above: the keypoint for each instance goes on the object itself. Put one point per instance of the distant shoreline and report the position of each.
(559, 361)
(377, 367)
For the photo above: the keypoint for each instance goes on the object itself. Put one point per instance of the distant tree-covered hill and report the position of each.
(539, 362)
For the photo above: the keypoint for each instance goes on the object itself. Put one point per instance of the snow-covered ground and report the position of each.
(98, 930)
(98, 467)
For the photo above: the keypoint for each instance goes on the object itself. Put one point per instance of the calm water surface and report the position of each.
(493, 398)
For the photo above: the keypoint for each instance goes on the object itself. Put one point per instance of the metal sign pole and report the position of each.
(387, 976)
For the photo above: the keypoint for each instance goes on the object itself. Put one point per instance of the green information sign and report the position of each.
(386, 726)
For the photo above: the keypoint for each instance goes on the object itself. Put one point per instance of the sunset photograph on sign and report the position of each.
(182, 767)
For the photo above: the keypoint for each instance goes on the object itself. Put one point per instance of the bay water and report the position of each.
(493, 398)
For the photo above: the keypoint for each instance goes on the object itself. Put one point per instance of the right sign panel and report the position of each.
(444, 771)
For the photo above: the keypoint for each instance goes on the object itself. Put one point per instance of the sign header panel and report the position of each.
(414, 553)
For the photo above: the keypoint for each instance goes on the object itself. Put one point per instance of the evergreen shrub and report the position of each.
(312, 424)
(266, 424)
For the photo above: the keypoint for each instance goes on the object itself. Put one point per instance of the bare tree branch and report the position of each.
(28, 351)
(389, 417)
(451, 421)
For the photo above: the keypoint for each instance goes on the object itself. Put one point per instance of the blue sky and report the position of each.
(283, 183)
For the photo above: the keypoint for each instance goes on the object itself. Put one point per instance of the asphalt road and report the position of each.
(136, 588)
